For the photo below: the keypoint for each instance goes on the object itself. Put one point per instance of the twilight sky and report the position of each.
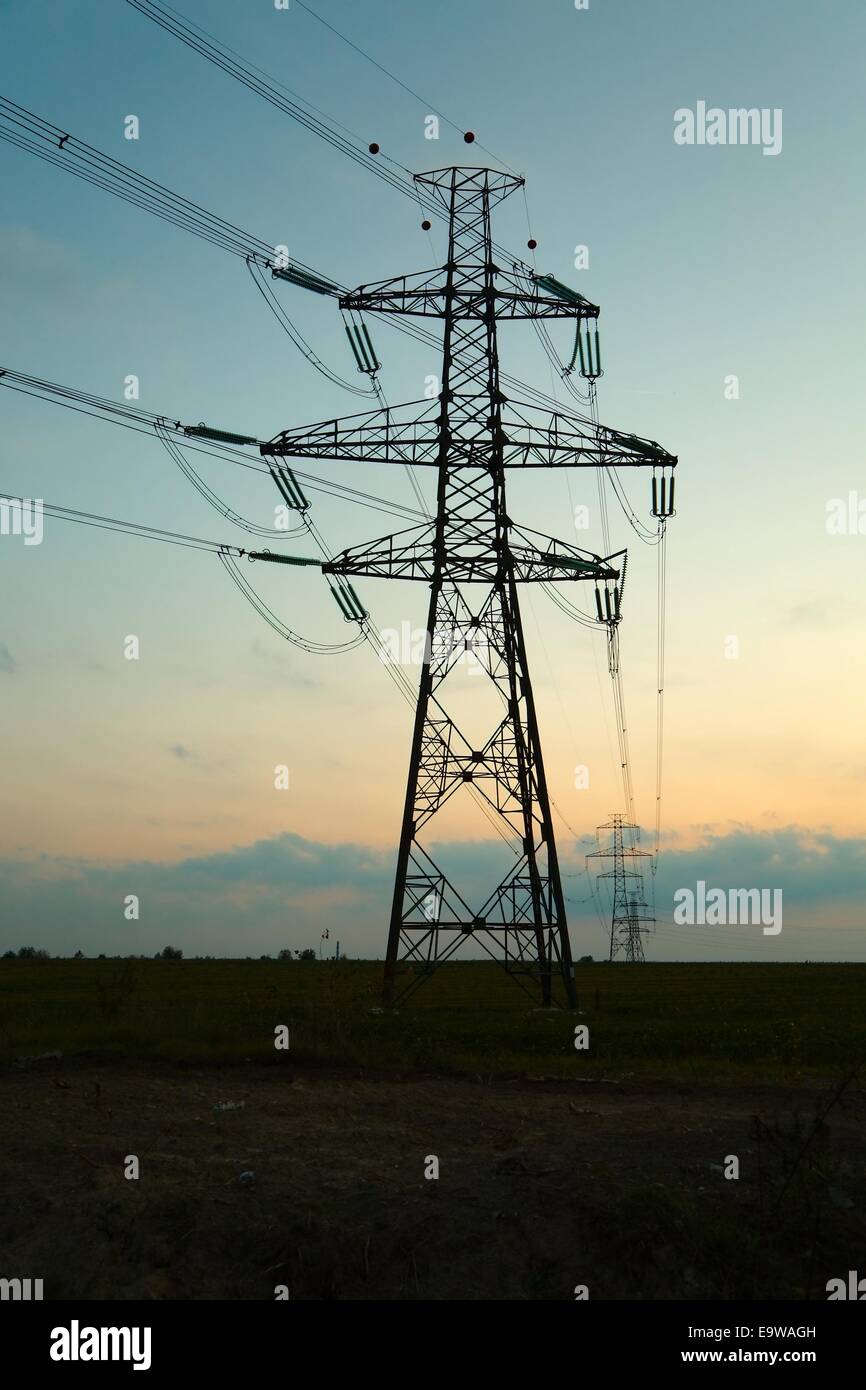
(156, 777)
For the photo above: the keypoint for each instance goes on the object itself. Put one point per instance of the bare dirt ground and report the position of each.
(542, 1185)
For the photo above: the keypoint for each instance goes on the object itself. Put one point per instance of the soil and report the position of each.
(316, 1185)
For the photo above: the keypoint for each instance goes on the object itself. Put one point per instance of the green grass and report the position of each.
(684, 1022)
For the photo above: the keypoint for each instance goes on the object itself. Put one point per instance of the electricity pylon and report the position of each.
(473, 557)
(640, 919)
(630, 914)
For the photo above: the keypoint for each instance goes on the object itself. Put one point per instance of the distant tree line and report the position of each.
(167, 953)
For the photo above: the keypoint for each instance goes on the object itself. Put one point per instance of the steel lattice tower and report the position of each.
(639, 918)
(630, 912)
(473, 557)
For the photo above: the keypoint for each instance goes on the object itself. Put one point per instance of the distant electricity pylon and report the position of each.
(473, 556)
(631, 918)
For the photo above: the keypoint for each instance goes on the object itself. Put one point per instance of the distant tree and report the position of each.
(285, 954)
(8, 955)
(585, 960)
(265, 957)
(169, 953)
(79, 955)
(309, 954)
(32, 953)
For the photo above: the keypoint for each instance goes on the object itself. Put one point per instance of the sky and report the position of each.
(155, 777)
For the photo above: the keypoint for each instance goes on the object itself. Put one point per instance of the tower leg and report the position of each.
(407, 831)
(522, 922)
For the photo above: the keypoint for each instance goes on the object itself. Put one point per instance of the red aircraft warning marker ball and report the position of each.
(532, 243)
(374, 148)
(425, 225)
(469, 137)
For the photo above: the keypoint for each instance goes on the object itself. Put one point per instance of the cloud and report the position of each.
(8, 664)
(273, 893)
(194, 759)
(810, 866)
(280, 669)
(826, 610)
(284, 891)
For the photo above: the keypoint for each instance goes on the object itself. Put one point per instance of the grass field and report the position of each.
(686, 1021)
(558, 1167)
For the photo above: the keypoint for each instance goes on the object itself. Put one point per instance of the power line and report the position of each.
(278, 95)
(52, 144)
(176, 454)
(630, 918)
(29, 132)
(228, 555)
(661, 623)
(621, 725)
(230, 565)
(134, 418)
(112, 523)
(461, 129)
(35, 135)
(470, 546)
(262, 84)
(299, 341)
(156, 199)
